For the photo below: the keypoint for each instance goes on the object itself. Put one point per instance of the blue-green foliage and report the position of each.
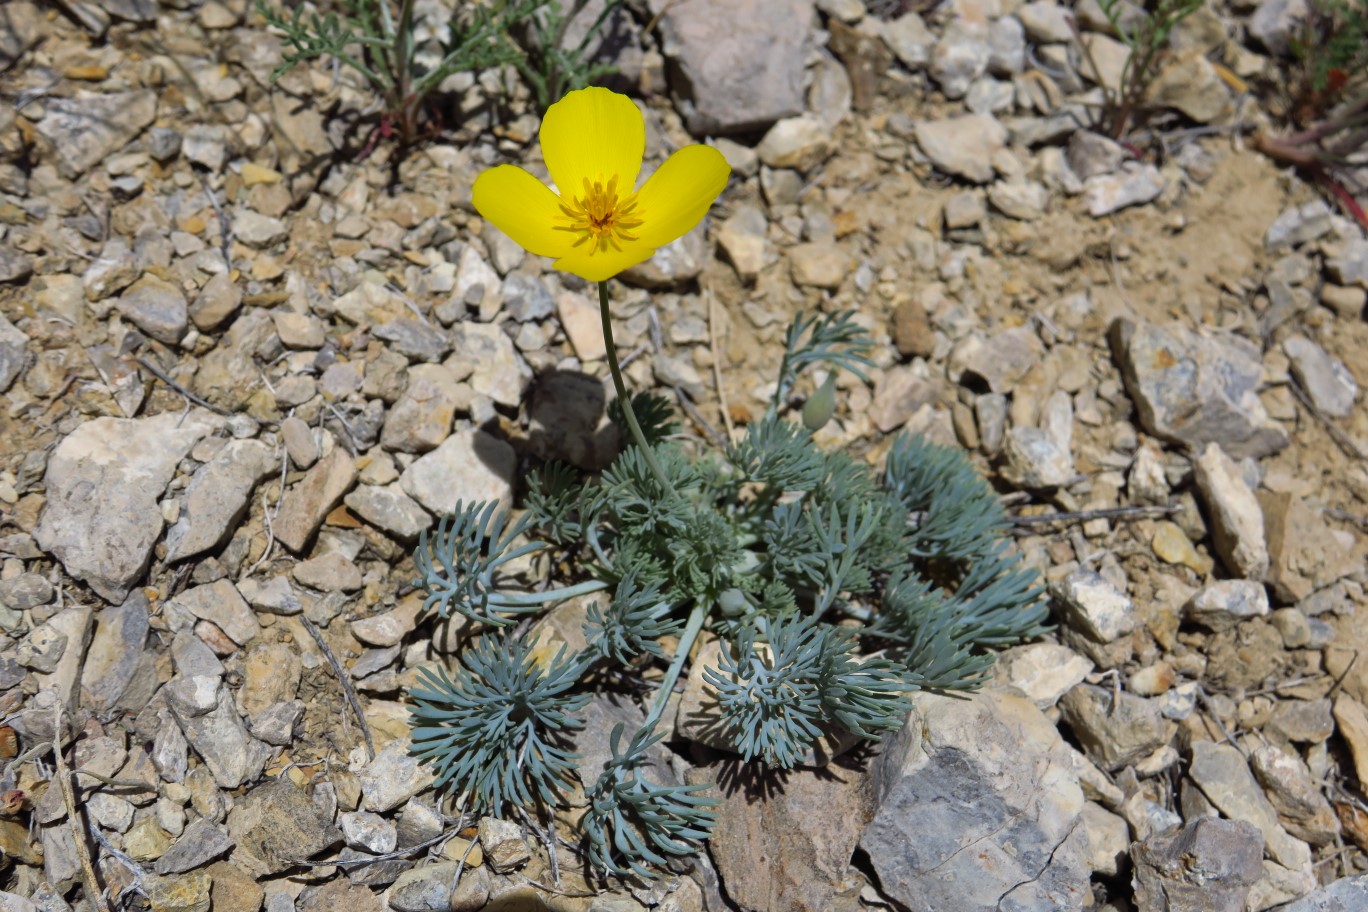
(633, 822)
(835, 590)
(787, 680)
(497, 729)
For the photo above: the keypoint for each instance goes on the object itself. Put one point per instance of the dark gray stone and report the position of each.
(1207, 866)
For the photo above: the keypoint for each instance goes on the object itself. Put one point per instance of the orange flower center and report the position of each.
(599, 216)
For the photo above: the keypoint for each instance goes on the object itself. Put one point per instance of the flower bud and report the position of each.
(821, 405)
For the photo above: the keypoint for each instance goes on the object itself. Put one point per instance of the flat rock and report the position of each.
(1044, 672)
(742, 237)
(818, 265)
(88, 127)
(200, 843)
(674, 265)
(1349, 266)
(801, 143)
(1237, 524)
(1297, 225)
(998, 361)
(962, 146)
(306, 504)
(1276, 23)
(583, 326)
(1196, 388)
(471, 465)
(1326, 380)
(416, 340)
(389, 509)
(116, 652)
(978, 809)
(217, 497)
(221, 604)
(899, 393)
(329, 572)
(740, 61)
(1207, 866)
(499, 372)
(1295, 795)
(103, 481)
(770, 855)
(910, 40)
(1222, 774)
(422, 417)
(278, 825)
(960, 56)
(1190, 84)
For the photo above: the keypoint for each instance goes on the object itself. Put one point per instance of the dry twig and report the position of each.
(345, 680)
(94, 895)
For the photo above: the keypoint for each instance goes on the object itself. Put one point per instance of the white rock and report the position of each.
(1236, 518)
(470, 465)
(1222, 605)
(1094, 606)
(962, 146)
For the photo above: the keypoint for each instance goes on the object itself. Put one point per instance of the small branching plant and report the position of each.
(1146, 34)
(376, 39)
(833, 591)
(1327, 101)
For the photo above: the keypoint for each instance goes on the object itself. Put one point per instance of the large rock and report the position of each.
(87, 128)
(217, 498)
(739, 62)
(306, 504)
(769, 853)
(471, 465)
(1196, 388)
(116, 653)
(103, 481)
(1207, 866)
(979, 809)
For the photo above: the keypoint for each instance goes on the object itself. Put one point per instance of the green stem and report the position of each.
(623, 398)
(686, 641)
(523, 599)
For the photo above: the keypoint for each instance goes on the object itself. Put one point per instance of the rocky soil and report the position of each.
(244, 366)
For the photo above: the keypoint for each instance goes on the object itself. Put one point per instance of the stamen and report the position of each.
(599, 216)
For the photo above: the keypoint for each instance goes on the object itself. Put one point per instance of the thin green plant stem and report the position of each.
(686, 640)
(623, 398)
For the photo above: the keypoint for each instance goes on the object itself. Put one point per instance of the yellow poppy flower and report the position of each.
(600, 224)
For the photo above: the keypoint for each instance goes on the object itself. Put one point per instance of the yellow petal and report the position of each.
(676, 197)
(523, 208)
(593, 134)
(603, 264)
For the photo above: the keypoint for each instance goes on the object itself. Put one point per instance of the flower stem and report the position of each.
(686, 641)
(623, 399)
